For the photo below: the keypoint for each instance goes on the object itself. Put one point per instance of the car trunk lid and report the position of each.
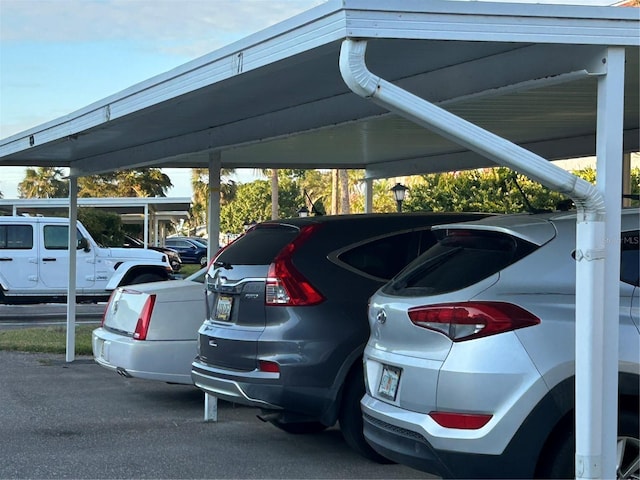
(235, 296)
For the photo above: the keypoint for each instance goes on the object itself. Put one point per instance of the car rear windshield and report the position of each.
(460, 258)
(259, 246)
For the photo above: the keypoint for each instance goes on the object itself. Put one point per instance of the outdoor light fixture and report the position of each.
(399, 192)
(303, 212)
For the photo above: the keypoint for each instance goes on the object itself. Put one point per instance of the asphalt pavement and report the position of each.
(79, 420)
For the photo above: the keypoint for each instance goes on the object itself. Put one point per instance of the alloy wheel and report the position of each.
(628, 458)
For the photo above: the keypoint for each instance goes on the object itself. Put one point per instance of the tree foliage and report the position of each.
(105, 227)
(498, 190)
(253, 203)
(200, 199)
(145, 182)
(43, 182)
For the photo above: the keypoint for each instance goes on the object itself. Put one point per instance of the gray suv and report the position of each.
(286, 315)
(470, 363)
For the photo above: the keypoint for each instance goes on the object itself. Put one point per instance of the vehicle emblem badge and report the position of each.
(381, 316)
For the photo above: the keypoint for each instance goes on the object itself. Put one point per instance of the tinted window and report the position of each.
(459, 259)
(19, 237)
(258, 246)
(57, 237)
(629, 258)
(384, 257)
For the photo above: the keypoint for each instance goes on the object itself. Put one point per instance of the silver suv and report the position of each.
(469, 368)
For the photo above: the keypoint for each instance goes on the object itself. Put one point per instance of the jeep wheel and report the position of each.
(146, 278)
(351, 416)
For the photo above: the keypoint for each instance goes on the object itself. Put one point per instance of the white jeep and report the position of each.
(34, 262)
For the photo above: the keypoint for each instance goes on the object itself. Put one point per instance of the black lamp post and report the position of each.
(303, 211)
(399, 192)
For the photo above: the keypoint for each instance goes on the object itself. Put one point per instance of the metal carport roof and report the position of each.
(536, 75)
(277, 99)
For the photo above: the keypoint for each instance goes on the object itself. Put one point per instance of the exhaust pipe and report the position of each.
(123, 373)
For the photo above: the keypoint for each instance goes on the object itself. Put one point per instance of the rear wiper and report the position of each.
(225, 265)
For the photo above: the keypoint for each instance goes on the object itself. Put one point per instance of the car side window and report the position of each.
(630, 258)
(56, 237)
(16, 237)
(385, 257)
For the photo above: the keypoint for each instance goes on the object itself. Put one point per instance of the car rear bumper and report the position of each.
(212, 381)
(166, 361)
(412, 449)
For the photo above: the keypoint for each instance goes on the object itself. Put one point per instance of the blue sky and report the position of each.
(57, 56)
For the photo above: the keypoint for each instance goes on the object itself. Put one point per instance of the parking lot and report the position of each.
(78, 420)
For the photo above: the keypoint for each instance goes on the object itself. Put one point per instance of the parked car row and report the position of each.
(172, 255)
(463, 366)
(191, 249)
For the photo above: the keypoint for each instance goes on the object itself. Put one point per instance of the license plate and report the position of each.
(223, 308)
(389, 381)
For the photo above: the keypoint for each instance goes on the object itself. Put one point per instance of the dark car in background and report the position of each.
(286, 321)
(172, 255)
(190, 249)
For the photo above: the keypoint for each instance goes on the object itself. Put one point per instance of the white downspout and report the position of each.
(590, 240)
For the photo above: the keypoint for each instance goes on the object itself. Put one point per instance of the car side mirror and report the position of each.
(83, 244)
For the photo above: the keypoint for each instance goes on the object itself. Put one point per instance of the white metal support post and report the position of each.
(71, 287)
(146, 225)
(213, 230)
(609, 182)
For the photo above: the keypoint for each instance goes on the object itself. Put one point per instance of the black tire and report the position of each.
(351, 417)
(146, 278)
(202, 261)
(300, 428)
(557, 459)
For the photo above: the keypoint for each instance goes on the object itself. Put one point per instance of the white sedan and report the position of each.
(150, 330)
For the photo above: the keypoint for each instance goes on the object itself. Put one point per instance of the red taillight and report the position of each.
(468, 320)
(142, 327)
(266, 366)
(462, 421)
(285, 285)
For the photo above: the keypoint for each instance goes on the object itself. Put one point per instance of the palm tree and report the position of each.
(43, 182)
(343, 176)
(200, 185)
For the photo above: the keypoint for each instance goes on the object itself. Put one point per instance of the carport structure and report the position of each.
(446, 86)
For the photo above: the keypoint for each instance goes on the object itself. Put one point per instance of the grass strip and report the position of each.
(51, 339)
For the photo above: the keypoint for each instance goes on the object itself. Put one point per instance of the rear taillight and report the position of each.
(285, 285)
(462, 421)
(267, 366)
(144, 320)
(469, 320)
